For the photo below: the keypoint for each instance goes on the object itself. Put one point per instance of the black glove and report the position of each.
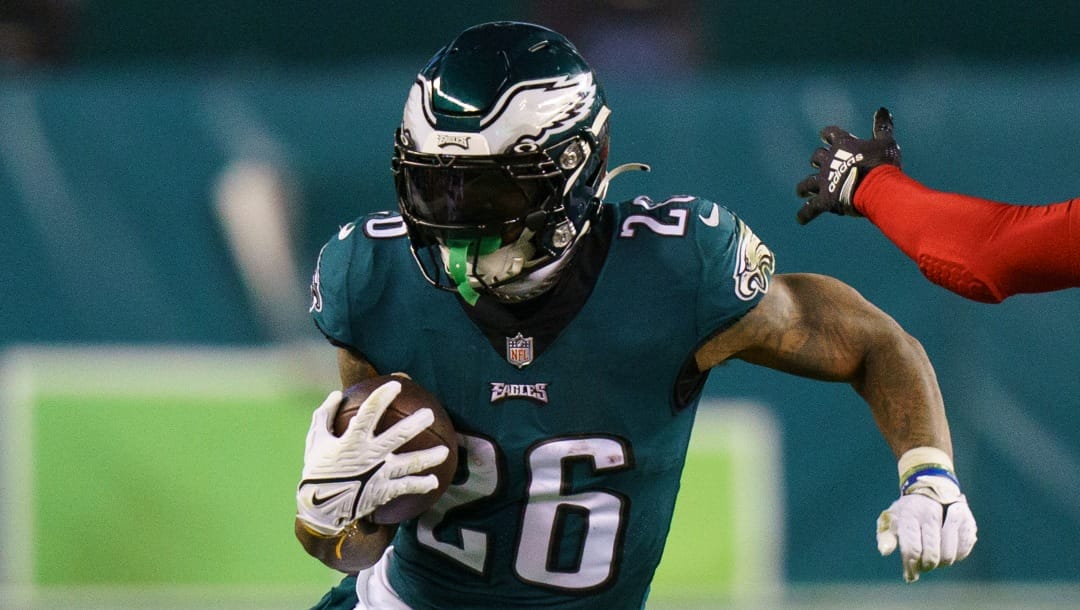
(842, 167)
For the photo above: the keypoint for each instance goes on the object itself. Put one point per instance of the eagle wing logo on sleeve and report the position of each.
(754, 265)
(316, 288)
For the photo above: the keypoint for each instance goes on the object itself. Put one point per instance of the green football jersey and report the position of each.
(573, 427)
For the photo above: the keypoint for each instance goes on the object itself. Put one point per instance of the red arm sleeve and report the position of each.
(979, 249)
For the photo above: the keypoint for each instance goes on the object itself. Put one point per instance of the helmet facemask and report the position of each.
(498, 224)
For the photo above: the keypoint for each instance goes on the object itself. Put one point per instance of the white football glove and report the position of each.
(346, 478)
(931, 521)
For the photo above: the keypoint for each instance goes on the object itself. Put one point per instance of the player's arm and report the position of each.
(355, 548)
(980, 249)
(816, 326)
(360, 543)
(353, 368)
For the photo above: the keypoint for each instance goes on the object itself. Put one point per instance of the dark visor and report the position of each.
(476, 198)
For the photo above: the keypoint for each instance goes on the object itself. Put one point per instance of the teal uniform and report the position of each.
(573, 416)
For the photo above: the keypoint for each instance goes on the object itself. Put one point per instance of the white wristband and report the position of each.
(921, 457)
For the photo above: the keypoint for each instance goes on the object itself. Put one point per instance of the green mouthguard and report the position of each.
(461, 250)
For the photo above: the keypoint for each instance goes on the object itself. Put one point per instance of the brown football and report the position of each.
(412, 398)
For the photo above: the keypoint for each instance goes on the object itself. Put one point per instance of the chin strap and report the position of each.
(601, 189)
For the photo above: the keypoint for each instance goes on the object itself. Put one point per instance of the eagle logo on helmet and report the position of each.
(524, 118)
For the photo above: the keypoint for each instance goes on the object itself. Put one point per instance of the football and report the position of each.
(412, 398)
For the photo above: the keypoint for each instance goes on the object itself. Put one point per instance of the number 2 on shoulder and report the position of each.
(656, 225)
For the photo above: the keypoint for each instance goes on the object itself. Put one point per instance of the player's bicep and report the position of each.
(807, 325)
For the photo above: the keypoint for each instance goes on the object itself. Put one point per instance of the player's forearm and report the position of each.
(980, 249)
(898, 382)
(353, 368)
(358, 547)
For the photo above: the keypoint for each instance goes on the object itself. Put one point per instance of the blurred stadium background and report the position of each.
(168, 171)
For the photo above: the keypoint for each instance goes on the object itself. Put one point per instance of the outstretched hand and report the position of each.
(842, 167)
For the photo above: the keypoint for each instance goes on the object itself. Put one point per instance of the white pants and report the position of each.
(373, 587)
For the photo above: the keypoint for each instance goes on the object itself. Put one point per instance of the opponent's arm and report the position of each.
(816, 326)
(980, 249)
(362, 542)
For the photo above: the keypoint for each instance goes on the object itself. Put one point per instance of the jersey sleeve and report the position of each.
(736, 266)
(338, 284)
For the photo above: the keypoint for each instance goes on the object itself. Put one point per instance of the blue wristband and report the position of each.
(931, 471)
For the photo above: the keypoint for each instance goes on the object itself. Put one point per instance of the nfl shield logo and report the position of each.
(519, 350)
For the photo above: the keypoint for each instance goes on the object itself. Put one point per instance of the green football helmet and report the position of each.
(500, 160)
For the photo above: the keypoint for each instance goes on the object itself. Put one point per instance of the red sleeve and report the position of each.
(980, 249)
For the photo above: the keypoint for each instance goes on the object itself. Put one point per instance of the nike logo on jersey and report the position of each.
(317, 501)
(713, 219)
(345, 231)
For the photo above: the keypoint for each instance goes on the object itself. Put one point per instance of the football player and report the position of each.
(569, 339)
(982, 250)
